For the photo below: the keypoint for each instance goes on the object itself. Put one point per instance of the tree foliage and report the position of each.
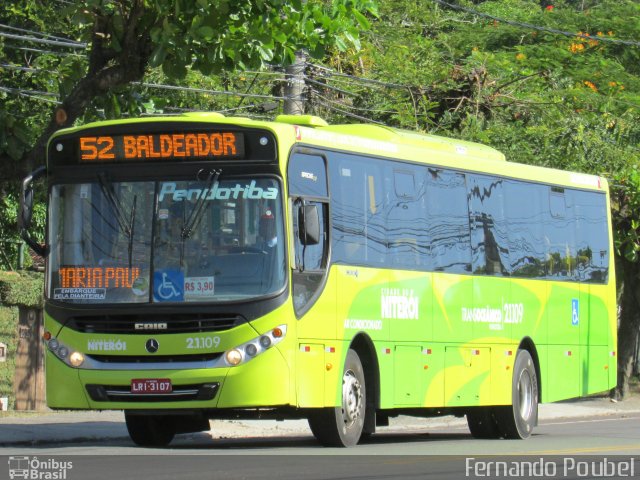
(126, 39)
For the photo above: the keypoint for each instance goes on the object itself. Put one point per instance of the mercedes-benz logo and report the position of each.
(152, 345)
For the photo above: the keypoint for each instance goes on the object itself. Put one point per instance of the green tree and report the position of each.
(125, 39)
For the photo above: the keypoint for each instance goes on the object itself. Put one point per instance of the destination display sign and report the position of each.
(161, 146)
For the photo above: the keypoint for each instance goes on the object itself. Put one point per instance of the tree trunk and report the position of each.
(629, 324)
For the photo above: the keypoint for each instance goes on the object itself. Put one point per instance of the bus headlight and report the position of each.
(76, 359)
(233, 357)
(70, 357)
(251, 349)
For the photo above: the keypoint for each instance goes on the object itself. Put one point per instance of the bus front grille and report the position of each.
(122, 393)
(144, 325)
(168, 359)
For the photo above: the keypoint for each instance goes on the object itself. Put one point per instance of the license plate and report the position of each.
(151, 385)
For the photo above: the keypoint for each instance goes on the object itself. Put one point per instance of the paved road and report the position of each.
(609, 435)
(444, 451)
(98, 447)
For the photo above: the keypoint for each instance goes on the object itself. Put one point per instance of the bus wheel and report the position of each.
(518, 419)
(482, 423)
(342, 426)
(150, 430)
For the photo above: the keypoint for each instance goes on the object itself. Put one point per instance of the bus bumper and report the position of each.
(264, 381)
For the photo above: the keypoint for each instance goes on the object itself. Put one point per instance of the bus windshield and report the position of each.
(166, 241)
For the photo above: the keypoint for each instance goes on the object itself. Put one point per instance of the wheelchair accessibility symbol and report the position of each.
(168, 286)
(575, 312)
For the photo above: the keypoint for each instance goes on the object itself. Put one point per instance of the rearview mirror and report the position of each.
(25, 214)
(308, 225)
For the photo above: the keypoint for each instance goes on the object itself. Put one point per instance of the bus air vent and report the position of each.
(156, 324)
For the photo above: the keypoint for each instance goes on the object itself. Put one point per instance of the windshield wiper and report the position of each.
(196, 214)
(132, 220)
(126, 226)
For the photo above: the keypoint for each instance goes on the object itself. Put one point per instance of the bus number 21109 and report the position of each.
(203, 342)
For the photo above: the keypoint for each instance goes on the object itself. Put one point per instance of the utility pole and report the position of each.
(294, 85)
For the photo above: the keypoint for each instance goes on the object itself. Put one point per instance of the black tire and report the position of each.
(150, 430)
(342, 426)
(518, 419)
(482, 423)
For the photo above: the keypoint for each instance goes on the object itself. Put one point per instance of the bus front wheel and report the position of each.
(150, 430)
(518, 419)
(342, 426)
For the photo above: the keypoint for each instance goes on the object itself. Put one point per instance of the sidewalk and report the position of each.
(25, 428)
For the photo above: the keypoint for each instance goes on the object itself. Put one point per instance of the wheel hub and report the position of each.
(525, 392)
(351, 398)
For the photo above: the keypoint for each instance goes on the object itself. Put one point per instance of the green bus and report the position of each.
(203, 267)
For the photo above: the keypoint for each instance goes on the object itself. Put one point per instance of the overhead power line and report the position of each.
(27, 69)
(33, 94)
(44, 41)
(46, 52)
(333, 73)
(33, 32)
(631, 43)
(348, 114)
(211, 92)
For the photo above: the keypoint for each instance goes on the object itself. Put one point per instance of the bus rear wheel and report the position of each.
(342, 426)
(150, 430)
(518, 419)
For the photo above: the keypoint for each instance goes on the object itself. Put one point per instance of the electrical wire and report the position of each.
(329, 87)
(316, 94)
(43, 41)
(27, 69)
(33, 32)
(349, 114)
(360, 79)
(204, 90)
(46, 52)
(31, 94)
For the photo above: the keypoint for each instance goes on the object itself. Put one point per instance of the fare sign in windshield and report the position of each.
(145, 147)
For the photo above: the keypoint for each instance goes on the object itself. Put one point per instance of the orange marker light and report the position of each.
(276, 332)
(46, 336)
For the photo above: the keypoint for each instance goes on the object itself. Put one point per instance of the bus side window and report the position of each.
(448, 217)
(525, 219)
(592, 240)
(489, 231)
(407, 233)
(560, 230)
(358, 211)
